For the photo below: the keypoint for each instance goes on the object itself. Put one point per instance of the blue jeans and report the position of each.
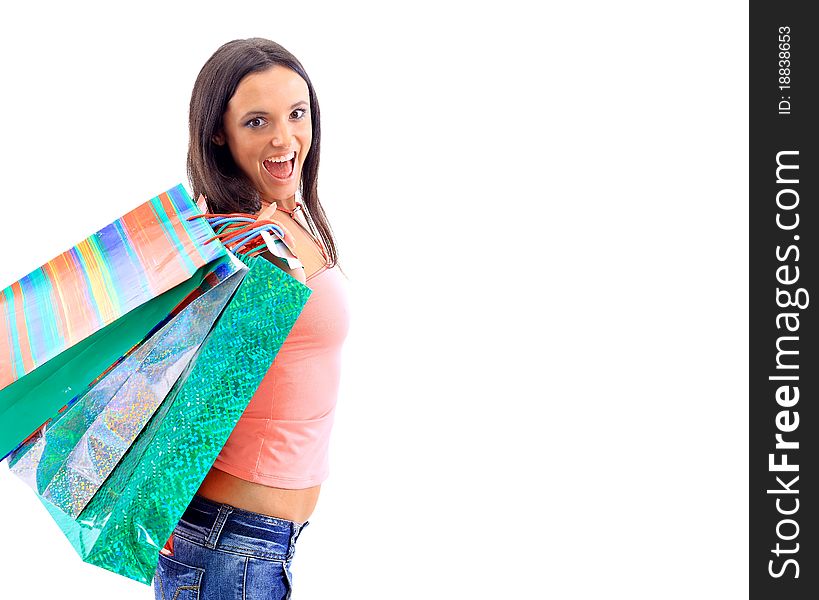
(226, 553)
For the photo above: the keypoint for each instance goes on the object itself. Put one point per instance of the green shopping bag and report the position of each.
(126, 523)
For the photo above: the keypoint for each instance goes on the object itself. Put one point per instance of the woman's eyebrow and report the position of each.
(264, 113)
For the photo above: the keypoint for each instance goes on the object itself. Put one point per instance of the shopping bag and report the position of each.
(72, 454)
(66, 322)
(127, 521)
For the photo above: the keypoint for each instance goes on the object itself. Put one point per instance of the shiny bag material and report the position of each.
(66, 322)
(69, 458)
(127, 521)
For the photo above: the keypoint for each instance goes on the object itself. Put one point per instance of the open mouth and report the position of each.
(281, 170)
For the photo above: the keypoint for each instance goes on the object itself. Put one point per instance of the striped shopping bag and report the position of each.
(68, 321)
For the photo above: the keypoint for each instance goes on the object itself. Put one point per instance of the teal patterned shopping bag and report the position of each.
(134, 512)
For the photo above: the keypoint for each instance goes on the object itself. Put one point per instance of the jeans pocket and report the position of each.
(176, 581)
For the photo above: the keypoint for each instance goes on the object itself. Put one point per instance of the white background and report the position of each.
(544, 218)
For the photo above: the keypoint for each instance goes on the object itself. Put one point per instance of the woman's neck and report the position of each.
(287, 205)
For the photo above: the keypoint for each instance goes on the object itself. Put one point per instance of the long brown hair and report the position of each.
(211, 169)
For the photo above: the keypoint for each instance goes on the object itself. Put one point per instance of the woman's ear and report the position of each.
(218, 138)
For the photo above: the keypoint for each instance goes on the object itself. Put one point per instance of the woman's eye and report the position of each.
(303, 112)
(255, 122)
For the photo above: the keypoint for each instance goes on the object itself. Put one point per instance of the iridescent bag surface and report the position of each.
(69, 458)
(128, 520)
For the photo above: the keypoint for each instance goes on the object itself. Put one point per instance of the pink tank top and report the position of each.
(282, 438)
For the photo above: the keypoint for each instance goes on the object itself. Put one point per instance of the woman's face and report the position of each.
(268, 119)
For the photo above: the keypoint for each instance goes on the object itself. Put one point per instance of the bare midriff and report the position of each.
(293, 505)
(219, 486)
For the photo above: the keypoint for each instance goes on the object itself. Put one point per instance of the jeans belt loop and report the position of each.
(216, 530)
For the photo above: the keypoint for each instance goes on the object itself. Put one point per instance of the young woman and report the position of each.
(254, 148)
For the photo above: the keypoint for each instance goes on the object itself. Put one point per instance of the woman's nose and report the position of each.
(281, 137)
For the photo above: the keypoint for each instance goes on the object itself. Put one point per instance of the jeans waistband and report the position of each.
(225, 527)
